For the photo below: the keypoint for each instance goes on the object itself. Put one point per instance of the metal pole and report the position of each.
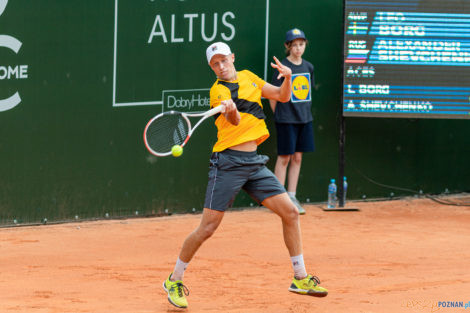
(342, 124)
(342, 137)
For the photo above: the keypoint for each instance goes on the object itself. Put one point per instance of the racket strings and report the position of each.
(166, 131)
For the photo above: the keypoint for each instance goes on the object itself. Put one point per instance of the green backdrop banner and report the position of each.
(80, 79)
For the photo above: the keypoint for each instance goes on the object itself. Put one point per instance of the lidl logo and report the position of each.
(301, 87)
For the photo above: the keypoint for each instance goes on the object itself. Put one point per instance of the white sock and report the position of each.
(299, 266)
(291, 194)
(178, 272)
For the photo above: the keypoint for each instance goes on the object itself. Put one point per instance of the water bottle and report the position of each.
(331, 194)
(345, 189)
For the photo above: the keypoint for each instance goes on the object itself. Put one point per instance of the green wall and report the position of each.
(73, 145)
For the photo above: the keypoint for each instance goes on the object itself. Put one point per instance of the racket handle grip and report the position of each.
(214, 111)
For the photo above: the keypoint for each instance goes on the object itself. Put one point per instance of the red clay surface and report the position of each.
(396, 256)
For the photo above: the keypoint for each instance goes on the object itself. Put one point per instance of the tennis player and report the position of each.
(235, 165)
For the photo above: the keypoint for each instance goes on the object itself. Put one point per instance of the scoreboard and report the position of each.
(407, 58)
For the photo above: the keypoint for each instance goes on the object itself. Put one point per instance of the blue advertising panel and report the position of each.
(407, 59)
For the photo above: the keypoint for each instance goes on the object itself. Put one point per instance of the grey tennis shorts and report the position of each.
(232, 170)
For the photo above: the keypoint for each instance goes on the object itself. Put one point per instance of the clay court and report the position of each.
(391, 256)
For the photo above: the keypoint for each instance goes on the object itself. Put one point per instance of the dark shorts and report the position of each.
(293, 138)
(231, 171)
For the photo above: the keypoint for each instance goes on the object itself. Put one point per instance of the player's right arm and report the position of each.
(231, 112)
(220, 95)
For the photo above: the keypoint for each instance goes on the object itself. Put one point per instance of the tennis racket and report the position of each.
(172, 128)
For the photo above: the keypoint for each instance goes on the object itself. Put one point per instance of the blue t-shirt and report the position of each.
(299, 109)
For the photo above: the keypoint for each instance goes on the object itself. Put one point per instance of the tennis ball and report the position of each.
(177, 150)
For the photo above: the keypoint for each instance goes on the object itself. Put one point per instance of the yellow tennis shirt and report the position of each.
(245, 91)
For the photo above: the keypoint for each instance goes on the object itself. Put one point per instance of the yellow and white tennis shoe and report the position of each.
(177, 292)
(308, 286)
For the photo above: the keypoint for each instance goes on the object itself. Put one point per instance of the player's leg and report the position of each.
(264, 187)
(177, 292)
(302, 283)
(282, 205)
(224, 184)
(209, 222)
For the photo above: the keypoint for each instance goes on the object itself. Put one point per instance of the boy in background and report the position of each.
(294, 118)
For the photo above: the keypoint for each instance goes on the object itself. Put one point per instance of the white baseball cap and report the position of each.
(217, 48)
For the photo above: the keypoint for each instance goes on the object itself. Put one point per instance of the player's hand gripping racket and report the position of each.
(172, 128)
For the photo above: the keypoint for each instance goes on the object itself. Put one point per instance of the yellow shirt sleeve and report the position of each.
(219, 93)
(256, 79)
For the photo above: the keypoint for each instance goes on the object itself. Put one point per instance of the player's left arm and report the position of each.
(282, 93)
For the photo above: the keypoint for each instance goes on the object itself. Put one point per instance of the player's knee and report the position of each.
(206, 231)
(291, 215)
